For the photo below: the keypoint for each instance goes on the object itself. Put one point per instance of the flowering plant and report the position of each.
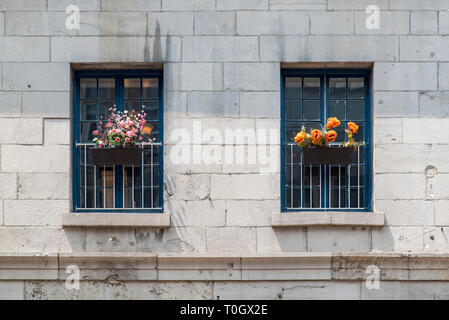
(322, 138)
(123, 129)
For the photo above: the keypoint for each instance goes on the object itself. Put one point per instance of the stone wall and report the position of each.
(222, 62)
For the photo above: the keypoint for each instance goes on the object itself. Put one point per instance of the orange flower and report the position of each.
(331, 136)
(300, 136)
(353, 127)
(332, 123)
(316, 136)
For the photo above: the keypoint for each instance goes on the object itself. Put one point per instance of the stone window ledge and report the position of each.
(331, 218)
(116, 220)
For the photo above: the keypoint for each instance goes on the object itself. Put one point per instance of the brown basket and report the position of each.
(116, 156)
(327, 155)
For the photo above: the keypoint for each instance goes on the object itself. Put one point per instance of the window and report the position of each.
(116, 188)
(309, 97)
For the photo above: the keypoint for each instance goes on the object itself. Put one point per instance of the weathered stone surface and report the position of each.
(272, 240)
(231, 240)
(130, 5)
(434, 104)
(391, 22)
(395, 104)
(24, 49)
(328, 48)
(116, 49)
(242, 4)
(272, 22)
(401, 239)
(84, 5)
(46, 104)
(33, 240)
(441, 213)
(424, 48)
(387, 130)
(245, 186)
(424, 22)
(355, 4)
(297, 5)
(43, 186)
(260, 104)
(407, 212)
(56, 131)
(194, 5)
(215, 23)
(113, 23)
(443, 20)
(286, 290)
(23, 5)
(251, 76)
(435, 129)
(36, 76)
(193, 76)
(188, 186)
(8, 186)
(196, 213)
(175, 104)
(12, 290)
(410, 290)
(10, 104)
(220, 48)
(17, 131)
(45, 159)
(418, 5)
(213, 104)
(342, 239)
(170, 23)
(324, 22)
(405, 76)
(173, 239)
(399, 186)
(250, 213)
(34, 212)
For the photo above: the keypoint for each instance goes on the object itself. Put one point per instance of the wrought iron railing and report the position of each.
(135, 187)
(323, 187)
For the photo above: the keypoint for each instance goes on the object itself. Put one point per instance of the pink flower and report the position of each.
(96, 133)
(114, 131)
(109, 124)
(117, 139)
(131, 134)
(127, 139)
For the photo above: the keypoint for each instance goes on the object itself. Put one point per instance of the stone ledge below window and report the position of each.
(116, 220)
(307, 218)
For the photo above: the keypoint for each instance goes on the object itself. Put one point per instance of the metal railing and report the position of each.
(137, 193)
(334, 186)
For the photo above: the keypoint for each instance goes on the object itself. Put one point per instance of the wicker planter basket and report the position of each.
(116, 156)
(327, 155)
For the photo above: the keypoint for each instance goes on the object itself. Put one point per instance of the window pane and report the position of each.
(291, 129)
(293, 88)
(355, 110)
(104, 109)
(133, 105)
(337, 88)
(150, 88)
(88, 110)
(293, 110)
(356, 88)
(88, 88)
(132, 88)
(151, 108)
(292, 154)
(86, 131)
(337, 109)
(106, 88)
(357, 175)
(312, 110)
(311, 88)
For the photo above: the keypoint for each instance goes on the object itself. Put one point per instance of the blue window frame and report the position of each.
(117, 188)
(308, 98)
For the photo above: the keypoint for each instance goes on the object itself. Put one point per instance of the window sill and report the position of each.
(116, 220)
(367, 219)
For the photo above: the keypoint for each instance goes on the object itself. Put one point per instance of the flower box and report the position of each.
(116, 156)
(327, 155)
